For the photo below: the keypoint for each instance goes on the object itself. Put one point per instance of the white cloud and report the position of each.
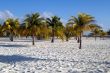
(6, 14)
(64, 21)
(47, 14)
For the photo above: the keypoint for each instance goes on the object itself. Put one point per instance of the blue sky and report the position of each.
(100, 9)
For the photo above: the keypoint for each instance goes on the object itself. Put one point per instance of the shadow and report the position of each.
(13, 45)
(12, 59)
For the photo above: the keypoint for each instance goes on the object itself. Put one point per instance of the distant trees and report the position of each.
(41, 28)
(108, 32)
(95, 29)
(102, 34)
(69, 31)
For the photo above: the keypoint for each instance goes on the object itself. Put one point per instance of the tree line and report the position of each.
(45, 28)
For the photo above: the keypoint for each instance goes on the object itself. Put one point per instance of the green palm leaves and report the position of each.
(40, 28)
(32, 22)
(56, 26)
(81, 24)
(11, 26)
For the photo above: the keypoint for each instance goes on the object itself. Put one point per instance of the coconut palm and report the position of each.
(23, 31)
(95, 29)
(32, 22)
(43, 31)
(10, 26)
(108, 32)
(69, 31)
(82, 21)
(102, 34)
(54, 22)
(1, 33)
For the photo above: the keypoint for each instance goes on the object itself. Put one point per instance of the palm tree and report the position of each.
(108, 32)
(54, 22)
(102, 34)
(82, 21)
(23, 31)
(43, 31)
(95, 29)
(1, 33)
(11, 26)
(32, 22)
(69, 31)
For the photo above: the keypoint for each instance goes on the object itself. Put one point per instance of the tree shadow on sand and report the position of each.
(13, 45)
(11, 59)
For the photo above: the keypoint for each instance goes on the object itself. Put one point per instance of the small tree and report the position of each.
(95, 29)
(102, 34)
(11, 26)
(54, 22)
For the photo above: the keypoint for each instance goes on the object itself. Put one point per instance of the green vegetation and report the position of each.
(41, 28)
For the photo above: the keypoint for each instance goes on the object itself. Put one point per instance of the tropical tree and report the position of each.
(1, 33)
(55, 23)
(23, 31)
(102, 34)
(32, 23)
(43, 31)
(82, 21)
(95, 29)
(10, 26)
(69, 31)
(108, 32)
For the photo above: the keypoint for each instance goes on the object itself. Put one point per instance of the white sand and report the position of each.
(59, 57)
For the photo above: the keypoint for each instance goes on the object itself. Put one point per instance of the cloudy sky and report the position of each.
(100, 9)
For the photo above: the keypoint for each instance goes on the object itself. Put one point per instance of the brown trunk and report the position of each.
(53, 35)
(33, 40)
(67, 39)
(80, 41)
(95, 37)
(76, 37)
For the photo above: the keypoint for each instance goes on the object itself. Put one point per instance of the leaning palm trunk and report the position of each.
(33, 40)
(80, 40)
(53, 35)
(11, 37)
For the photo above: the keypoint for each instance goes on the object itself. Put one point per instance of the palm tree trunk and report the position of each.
(33, 40)
(76, 38)
(11, 37)
(80, 41)
(53, 35)
(67, 39)
(95, 37)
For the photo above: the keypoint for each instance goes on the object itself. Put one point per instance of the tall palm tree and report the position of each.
(11, 26)
(54, 22)
(82, 21)
(32, 22)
